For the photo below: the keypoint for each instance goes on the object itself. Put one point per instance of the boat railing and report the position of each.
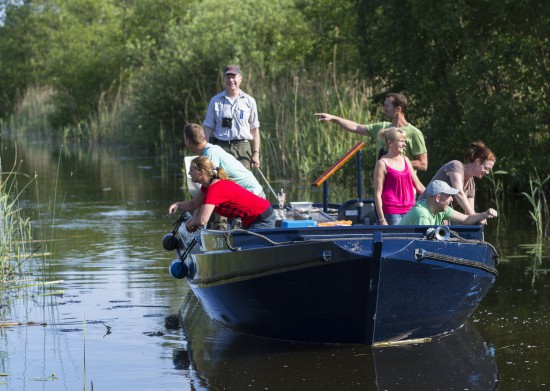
(323, 179)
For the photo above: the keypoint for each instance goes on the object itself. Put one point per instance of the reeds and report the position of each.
(536, 252)
(32, 114)
(497, 194)
(15, 233)
(540, 212)
(18, 252)
(295, 145)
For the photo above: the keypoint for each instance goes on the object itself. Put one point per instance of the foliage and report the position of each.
(74, 47)
(473, 70)
(302, 147)
(335, 33)
(24, 47)
(33, 112)
(137, 70)
(87, 58)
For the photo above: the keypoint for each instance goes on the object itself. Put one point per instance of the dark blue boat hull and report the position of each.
(422, 299)
(313, 304)
(342, 285)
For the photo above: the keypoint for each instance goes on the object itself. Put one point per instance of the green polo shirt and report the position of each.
(421, 215)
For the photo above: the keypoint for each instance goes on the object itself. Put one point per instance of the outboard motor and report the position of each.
(442, 233)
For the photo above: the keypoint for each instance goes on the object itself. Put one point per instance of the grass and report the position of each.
(294, 144)
(293, 139)
(540, 213)
(32, 113)
(497, 196)
(15, 233)
(21, 263)
(22, 267)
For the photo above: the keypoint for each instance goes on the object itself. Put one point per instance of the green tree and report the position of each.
(24, 47)
(145, 34)
(268, 37)
(334, 27)
(87, 58)
(473, 71)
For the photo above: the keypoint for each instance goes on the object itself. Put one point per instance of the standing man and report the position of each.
(232, 120)
(394, 107)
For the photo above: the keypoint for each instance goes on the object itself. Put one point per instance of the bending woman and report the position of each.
(478, 162)
(395, 180)
(223, 196)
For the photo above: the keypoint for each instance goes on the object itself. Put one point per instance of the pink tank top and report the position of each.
(398, 191)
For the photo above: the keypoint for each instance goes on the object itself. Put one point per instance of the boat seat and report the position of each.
(350, 210)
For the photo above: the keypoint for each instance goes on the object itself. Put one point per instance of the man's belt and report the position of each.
(217, 141)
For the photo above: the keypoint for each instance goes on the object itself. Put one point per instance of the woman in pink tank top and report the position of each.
(395, 180)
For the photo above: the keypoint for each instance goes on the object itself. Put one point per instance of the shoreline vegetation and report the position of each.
(300, 154)
(23, 270)
(15, 236)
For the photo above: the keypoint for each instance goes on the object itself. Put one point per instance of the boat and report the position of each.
(316, 278)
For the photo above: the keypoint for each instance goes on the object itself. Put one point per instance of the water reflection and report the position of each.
(223, 359)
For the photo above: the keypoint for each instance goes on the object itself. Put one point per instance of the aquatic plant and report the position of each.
(497, 193)
(540, 212)
(15, 233)
(21, 265)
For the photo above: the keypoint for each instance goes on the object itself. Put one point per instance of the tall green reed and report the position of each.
(540, 213)
(22, 265)
(15, 233)
(497, 192)
(294, 143)
(32, 113)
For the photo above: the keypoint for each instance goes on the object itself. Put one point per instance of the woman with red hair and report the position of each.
(225, 197)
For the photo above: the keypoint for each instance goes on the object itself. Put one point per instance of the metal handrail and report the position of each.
(323, 179)
(336, 166)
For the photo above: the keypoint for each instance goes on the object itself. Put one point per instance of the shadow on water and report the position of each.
(225, 360)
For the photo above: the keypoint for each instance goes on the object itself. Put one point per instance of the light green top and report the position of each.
(234, 168)
(415, 144)
(421, 215)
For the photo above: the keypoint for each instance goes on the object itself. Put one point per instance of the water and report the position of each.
(116, 324)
